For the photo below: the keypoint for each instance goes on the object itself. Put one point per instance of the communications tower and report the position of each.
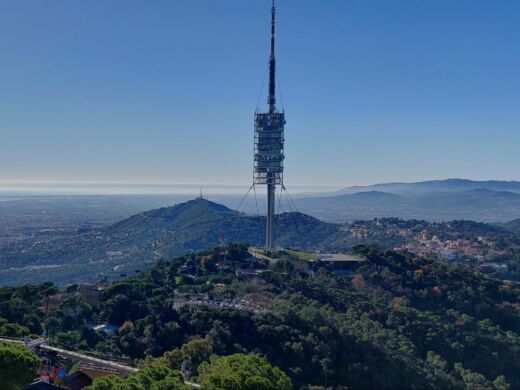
(269, 143)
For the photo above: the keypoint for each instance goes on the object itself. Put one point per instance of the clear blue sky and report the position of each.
(164, 91)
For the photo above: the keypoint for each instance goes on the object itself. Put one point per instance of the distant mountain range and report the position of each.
(447, 185)
(439, 200)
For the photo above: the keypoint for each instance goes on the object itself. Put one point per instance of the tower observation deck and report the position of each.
(269, 143)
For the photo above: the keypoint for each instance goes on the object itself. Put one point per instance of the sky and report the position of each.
(125, 91)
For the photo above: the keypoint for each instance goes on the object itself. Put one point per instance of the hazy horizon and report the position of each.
(147, 188)
(141, 189)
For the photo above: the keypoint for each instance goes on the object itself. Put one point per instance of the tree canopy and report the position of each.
(398, 321)
(154, 376)
(242, 372)
(18, 366)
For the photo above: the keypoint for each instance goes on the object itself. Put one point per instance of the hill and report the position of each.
(513, 226)
(200, 223)
(447, 185)
(479, 204)
(137, 242)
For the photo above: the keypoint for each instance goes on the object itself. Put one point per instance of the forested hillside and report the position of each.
(139, 241)
(399, 322)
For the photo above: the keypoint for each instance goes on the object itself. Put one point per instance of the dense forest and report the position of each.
(399, 322)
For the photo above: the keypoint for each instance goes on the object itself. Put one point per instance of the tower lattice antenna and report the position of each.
(272, 65)
(269, 143)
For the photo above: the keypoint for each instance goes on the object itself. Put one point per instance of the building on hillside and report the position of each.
(90, 293)
(52, 302)
(77, 380)
(340, 264)
(52, 368)
(42, 384)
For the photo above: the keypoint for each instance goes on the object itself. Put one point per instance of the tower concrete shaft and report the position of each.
(271, 188)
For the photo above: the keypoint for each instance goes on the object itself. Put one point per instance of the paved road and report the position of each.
(11, 340)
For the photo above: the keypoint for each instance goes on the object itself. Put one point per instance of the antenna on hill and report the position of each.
(200, 196)
(269, 139)
(223, 249)
(269, 143)
(222, 240)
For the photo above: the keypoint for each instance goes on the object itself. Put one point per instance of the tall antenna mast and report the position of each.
(272, 66)
(269, 144)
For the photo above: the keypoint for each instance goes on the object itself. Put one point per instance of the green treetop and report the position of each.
(18, 366)
(242, 372)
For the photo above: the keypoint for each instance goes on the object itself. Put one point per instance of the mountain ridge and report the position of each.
(138, 241)
(473, 203)
(452, 184)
